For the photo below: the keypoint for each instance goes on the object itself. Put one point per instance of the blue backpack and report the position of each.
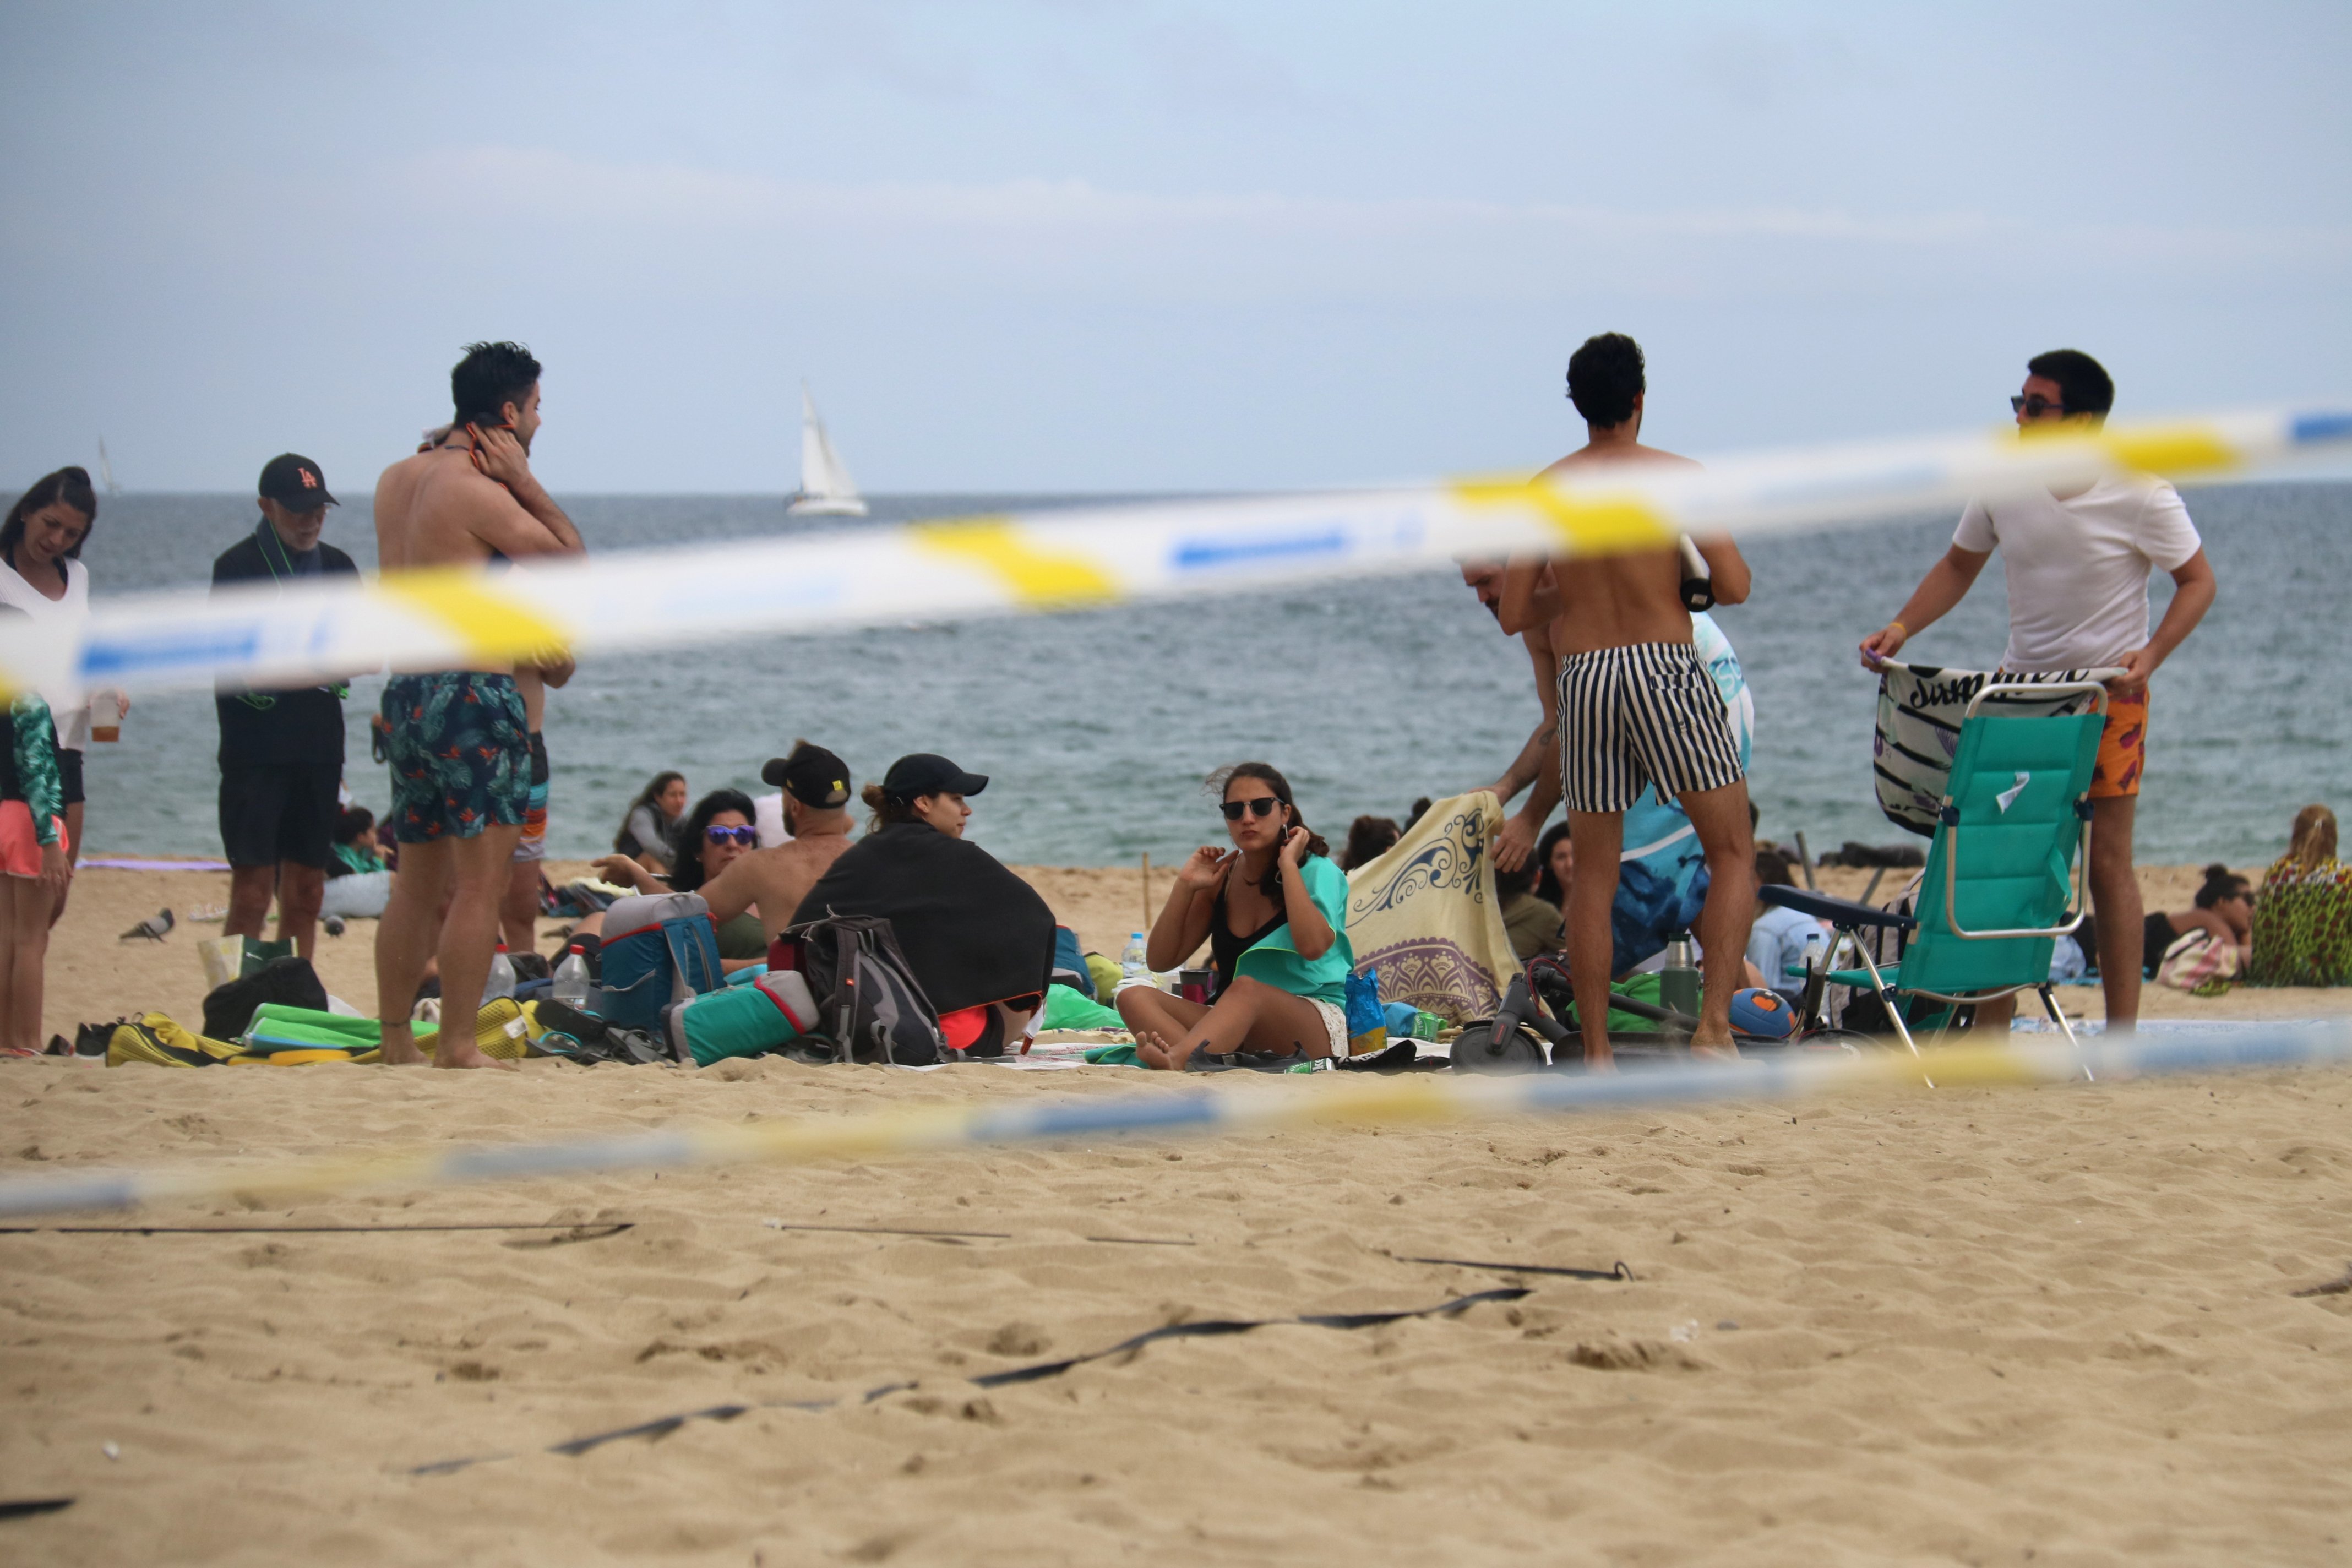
(657, 947)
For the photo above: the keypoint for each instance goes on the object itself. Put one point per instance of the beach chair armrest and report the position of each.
(1837, 912)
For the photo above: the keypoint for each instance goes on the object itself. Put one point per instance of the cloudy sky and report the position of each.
(1152, 245)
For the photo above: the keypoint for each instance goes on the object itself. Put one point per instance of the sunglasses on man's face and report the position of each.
(746, 836)
(2033, 405)
(1258, 806)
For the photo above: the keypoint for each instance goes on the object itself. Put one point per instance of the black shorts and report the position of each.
(69, 777)
(280, 812)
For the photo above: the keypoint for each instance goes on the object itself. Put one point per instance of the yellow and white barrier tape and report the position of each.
(454, 618)
(1319, 1100)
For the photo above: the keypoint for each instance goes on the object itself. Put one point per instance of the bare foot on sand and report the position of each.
(402, 1053)
(1722, 1050)
(1153, 1050)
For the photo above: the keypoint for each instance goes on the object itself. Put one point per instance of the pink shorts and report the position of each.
(20, 851)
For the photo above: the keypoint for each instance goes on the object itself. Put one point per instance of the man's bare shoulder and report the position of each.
(1618, 456)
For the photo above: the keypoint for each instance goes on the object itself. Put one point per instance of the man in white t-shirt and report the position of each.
(2078, 565)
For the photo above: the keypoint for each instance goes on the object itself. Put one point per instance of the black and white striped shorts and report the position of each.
(1645, 714)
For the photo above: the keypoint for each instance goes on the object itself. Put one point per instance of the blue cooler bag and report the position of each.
(658, 947)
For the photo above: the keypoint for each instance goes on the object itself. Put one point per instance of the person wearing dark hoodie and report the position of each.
(979, 939)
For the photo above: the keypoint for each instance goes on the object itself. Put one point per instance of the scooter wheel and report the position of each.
(1479, 1050)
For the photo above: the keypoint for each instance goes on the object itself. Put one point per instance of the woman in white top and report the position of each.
(42, 575)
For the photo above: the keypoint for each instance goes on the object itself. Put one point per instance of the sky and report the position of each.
(1141, 247)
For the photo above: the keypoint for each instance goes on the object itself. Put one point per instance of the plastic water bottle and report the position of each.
(1817, 947)
(1132, 964)
(502, 979)
(571, 986)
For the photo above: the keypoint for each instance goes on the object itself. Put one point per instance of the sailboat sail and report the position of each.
(826, 489)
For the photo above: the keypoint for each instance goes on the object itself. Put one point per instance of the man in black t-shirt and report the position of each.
(281, 752)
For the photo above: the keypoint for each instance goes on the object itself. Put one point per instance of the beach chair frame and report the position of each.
(1850, 918)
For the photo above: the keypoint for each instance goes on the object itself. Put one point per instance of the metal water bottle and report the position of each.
(1678, 982)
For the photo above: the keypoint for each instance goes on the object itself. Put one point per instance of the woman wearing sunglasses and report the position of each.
(715, 834)
(1274, 910)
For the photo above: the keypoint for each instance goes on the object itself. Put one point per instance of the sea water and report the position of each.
(1095, 727)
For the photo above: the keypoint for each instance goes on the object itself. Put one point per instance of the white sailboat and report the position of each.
(826, 489)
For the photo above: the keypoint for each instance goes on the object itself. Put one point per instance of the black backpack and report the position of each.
(289, 981)
(870, 1005)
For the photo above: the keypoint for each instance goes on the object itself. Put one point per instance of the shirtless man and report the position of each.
(816, 812)
(1636, 706)
(460, 740)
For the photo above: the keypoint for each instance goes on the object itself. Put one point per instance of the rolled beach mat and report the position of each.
(450, 618)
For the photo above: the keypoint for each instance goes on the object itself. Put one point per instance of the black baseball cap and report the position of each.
(815, 775)
(295, 483)
(928, 774)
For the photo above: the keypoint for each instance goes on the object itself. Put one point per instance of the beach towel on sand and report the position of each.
(1424, 917)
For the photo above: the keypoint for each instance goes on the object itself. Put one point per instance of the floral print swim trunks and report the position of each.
(460, 754)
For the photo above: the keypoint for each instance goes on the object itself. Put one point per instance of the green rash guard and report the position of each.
(33, 766)
(1277, 963)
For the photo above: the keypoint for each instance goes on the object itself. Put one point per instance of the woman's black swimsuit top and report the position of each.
(1226, 949)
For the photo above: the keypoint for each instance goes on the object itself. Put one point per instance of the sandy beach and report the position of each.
(1981, 1326)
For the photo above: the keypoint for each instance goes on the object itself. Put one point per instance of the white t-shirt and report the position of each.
(2078, 569)
(68, 704)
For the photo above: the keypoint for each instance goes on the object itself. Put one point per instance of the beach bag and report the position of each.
(284, 982)
(1070, 965)
(2198, 960)
(153, 1039)
(1368, 1021)
(869, 1002)
(741, 1020)
(659, 949)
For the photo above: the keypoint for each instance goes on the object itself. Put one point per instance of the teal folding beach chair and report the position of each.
(2004, 871)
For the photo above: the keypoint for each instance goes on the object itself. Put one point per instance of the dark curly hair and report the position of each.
(1604, 376)
(490, 376)
(686, 839)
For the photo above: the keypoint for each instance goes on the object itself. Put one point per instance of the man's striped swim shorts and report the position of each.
(1649, 713)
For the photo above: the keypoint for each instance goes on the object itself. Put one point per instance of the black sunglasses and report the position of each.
(2034, 405)
(1257, 805)
(746, 836)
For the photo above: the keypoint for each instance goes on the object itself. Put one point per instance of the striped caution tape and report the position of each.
(454, 618)
(1306, 1101)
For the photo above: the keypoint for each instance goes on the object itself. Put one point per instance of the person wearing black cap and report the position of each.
(281, 752)
(927, 788)
(770, 883)
(979, 939)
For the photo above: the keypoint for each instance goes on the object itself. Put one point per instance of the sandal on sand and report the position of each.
(1248, 1061)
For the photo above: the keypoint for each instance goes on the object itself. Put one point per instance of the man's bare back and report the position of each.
(775, 880)
(1614, 601)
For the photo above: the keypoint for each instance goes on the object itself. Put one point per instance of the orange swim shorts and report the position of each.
(2123, 747)
(20, 846)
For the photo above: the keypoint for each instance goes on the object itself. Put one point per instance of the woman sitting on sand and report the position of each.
(2224, 907)
(979, 939)
(1555, 861)
(1274, 910)
(715, 834)
(646, 829)
(2303, 920)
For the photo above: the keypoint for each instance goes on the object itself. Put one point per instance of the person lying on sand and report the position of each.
(1274, 909)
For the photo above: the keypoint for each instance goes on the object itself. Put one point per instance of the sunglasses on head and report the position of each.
(746, 836)
(2033, 405)
(1258, 806)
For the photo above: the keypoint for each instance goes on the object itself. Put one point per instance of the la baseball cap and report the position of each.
(813, 775)
(295, 483)
(926, 773)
